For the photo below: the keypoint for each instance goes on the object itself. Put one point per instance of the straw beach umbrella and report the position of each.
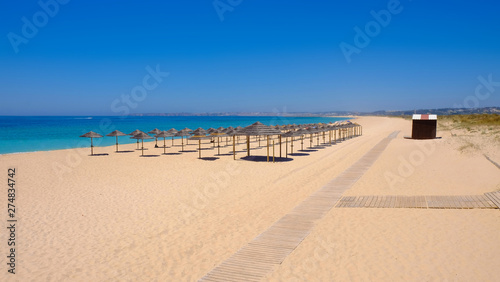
(116, 133)
(218, 133)
(199, 134)
(259, 129)
(164, 134)
(185, 132)
(135, 132)
(173, 131)
(141, 136)
(291, 134)
(232, 132)
(91, 135)
(155, 131)
(238, 129)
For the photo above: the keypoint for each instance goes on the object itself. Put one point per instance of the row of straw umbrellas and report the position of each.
(345, 129)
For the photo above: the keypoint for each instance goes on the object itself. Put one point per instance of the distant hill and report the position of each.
(444, 111)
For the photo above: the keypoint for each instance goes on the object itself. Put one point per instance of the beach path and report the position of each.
(259, 257)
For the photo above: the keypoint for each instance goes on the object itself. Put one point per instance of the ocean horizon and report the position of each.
(24, 134)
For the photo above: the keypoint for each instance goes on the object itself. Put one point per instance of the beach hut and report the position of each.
(424, 126)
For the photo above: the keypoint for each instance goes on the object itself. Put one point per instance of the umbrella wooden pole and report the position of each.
(280, 145)
(311, 141)
(330, 136)
(91, 147)
(172, 141)
(199, 149)
(164, 146)
(182, 143)
(137, 144)
(259, 139)
(317, 139)
(286, 147)
(273, 152)
(267, 148)
(248, 145)
(142, 147)
(234, 147)
(302, 142)
(335, 136)
(292, 145)
(117, 143)
(156, 141)
(218, 145)
(324, 137)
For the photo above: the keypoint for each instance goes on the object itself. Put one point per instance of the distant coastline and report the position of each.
(442, 111)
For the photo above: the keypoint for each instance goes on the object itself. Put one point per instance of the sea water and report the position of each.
(44, 133)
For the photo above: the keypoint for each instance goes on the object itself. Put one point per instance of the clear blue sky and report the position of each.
(263, 56)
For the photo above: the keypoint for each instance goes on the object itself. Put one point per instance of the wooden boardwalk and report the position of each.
(486, 201)
(259, 257)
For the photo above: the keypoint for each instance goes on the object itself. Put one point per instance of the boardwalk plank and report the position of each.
(254, 261)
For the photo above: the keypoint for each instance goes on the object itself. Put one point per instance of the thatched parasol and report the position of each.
(259, 129)
(199, 134)
(91, 135)
(135, 132)
(238, 129)
(173, 131)
(185, 132)
(218, 133)
(141, 136)
(155, 131)
(233, 132)
(291, 134)
(116, 133)
(164, 134)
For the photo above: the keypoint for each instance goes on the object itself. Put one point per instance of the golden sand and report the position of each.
(175, 217)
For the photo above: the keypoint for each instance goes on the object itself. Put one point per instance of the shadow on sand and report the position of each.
(264, 159)
(308, 150)
(208, 158)
(299, 154)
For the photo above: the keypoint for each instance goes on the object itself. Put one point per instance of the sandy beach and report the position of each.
(122, 217)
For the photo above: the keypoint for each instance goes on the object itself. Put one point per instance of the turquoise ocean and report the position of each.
(44, 133)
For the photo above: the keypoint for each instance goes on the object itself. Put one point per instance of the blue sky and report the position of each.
(261, 56)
